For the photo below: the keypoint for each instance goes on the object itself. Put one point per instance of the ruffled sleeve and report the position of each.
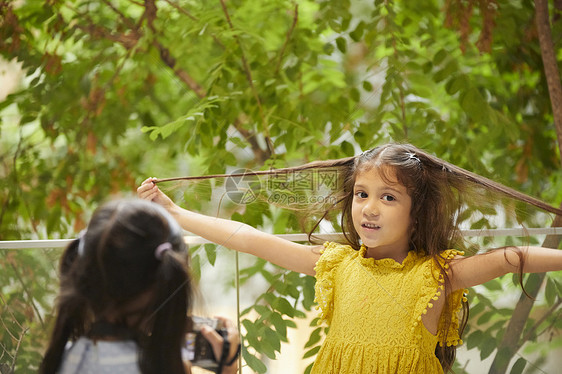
(332, 255)
(455, 300)
(432, 288)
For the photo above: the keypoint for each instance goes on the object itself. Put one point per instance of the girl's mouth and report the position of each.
(370, 226)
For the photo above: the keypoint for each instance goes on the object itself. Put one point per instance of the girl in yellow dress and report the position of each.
(394, 293)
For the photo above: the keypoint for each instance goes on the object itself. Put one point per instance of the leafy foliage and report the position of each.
(114, 90)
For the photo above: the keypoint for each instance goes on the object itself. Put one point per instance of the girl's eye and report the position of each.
(388, 198)
(361, 195)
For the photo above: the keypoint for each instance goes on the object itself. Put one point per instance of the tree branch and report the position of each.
(535, 327)
(287, 38)
(248, 72)
(550, 67)
(181, 10)
(260, 155)
(18, 348)
(170, 61)
(29, 295)
(124, 18)
(130, 39)
(517, 322)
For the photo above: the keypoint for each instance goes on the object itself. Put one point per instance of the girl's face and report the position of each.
(381, 214)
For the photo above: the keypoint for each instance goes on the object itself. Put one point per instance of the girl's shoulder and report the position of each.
(336, 251)
(334, 246)
(448, 254)
(440, 260)
(332, 254)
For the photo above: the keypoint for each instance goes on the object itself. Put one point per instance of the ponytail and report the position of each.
(161, 351)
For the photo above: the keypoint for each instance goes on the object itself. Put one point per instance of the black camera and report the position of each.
(197, 349)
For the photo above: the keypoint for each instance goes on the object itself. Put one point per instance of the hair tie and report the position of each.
(161, 249)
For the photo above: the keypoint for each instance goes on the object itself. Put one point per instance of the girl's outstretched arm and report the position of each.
(236, 235)
(481, 268)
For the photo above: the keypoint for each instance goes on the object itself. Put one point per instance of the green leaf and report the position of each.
(439, 57)
(558, 285)
(551, 291)
(273, 339)
(367, 86)
(493, 285)
(474, 104)
(253, 362)
(474, 339)
(314, 338)
(450, 69)
(211, 251)
(485, 317)
(421, 84)
(284, 307)
(358, 32)
(347, 148)
(519, 366)
(267, 349)
(280, 325)
(456, 84)
(311, 352)
(487, 348)
(308, 292)
(341, 43)
(252, 334)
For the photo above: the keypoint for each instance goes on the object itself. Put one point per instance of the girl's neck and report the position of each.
(378, 253)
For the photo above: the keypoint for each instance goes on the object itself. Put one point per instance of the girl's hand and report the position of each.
(148, 190)
(187, 366)
(217, 343)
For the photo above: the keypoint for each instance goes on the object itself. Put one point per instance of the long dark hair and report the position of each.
(113, 265)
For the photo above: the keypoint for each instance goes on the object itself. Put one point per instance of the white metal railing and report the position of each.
(194, 240)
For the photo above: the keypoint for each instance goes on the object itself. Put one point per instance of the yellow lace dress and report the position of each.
(374, 310)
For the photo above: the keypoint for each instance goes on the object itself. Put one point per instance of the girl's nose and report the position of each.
(371, 208)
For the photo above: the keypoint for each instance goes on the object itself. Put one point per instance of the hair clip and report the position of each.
(413, 156)
(161, 249)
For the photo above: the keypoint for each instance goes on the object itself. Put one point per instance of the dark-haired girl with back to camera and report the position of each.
(125, 293)
(393, 290)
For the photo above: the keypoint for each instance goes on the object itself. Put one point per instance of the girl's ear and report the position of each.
(413, 226)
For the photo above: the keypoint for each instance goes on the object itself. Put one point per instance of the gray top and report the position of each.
(101, 357)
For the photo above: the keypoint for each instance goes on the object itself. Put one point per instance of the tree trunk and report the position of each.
(511, 339)
(550, 66)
